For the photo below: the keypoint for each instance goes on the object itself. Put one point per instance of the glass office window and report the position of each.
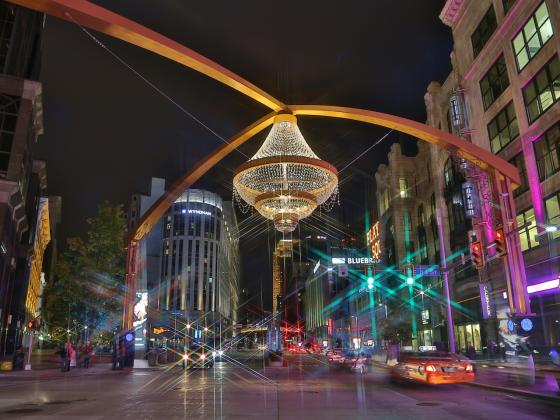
(519, 162)
(494, 82)
(484, 31)
(543, 91)
(547, 152)
(534, 34)
(503, 129)
(527, 229)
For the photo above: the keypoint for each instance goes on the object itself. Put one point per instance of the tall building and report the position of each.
(281, 271)
(36, 283)
(502, 95)
(20, 125)
(147, 260)
(147, 263)
(199, 271)
(409, 192)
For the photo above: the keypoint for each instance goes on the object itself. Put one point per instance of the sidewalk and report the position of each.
(43, 374)
(541, 383)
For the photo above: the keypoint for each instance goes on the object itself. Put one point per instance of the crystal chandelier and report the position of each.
(285, 181)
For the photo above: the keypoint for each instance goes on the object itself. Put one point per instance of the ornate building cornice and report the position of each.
(450, 12)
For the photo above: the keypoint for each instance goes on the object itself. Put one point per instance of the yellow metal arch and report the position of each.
(475, 154)
(91, 16)
(95, 17)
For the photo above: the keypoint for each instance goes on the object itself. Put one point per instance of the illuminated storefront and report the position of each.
(468, 334)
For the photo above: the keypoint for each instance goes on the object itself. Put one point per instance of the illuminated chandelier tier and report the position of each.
(285, 181)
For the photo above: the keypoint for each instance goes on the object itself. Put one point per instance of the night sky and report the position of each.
(107, 132)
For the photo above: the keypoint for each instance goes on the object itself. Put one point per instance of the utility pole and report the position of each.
(450, 330)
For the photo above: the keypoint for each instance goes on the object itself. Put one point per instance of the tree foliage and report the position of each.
(88, 284)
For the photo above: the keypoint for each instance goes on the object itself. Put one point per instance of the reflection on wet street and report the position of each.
(242, 389)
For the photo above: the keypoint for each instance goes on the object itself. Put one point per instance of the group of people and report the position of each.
(75, 357)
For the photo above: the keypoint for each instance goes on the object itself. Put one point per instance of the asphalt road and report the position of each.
(308, 389)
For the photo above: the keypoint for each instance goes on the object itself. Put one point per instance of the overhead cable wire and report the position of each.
(367, 150)
(149, 83)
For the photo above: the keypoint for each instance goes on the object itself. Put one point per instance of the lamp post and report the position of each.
(450, 327)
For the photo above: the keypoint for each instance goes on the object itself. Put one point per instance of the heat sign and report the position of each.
(374, 241)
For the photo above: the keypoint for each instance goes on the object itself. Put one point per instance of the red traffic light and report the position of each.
(477, 254)
(500, 241)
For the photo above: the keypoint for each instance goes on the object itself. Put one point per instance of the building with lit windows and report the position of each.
(36, 283)
(503, 95)
(147, 260)
(199, 264)
(21, 124)
(408, 197)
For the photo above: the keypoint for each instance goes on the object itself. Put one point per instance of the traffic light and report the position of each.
(477, 254)
(370, 283)
(500, 241)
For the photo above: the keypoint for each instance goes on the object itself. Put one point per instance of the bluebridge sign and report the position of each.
(355, 260)
(419, 270)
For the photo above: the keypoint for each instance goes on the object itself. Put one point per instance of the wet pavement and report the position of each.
(308, 389)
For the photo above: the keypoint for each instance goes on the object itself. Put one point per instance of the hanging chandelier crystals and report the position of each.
(285, 181)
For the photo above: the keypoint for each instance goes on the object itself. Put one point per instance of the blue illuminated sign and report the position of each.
(511, 325)
(526, 324)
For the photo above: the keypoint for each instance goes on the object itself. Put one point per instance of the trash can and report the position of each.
(162, 356)
(152, 358)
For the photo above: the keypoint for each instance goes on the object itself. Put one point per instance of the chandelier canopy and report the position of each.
(285, 180)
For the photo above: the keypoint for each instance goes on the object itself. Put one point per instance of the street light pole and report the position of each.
(450, 330)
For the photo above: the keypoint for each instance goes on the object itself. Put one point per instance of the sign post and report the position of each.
(450, 330)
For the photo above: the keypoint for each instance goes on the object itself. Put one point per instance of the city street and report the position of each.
(306, 389)
(287, 212)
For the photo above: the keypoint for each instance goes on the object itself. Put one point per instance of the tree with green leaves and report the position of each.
(88, 285)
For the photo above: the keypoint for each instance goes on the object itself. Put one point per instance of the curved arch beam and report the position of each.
(159, 208)
(475, 154)
(94, 17)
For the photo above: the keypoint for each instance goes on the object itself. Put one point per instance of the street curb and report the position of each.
(529, 394)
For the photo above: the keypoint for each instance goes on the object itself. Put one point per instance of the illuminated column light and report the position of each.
(546, 285)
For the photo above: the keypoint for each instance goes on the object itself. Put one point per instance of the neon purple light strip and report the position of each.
(546, 285)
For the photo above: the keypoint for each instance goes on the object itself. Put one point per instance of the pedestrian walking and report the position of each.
(62, 353)
(88, 350)
(66, 356)
(492, 347)
(71, 356)
(471, 352)
(116, 355)
(79, 354)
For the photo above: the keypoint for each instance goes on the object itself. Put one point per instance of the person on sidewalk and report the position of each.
(492, 349)
(63, 355)
(87, 351)
(116, 356)
(79, 353)
(68, 352)
(73, 357)
(471, 352)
